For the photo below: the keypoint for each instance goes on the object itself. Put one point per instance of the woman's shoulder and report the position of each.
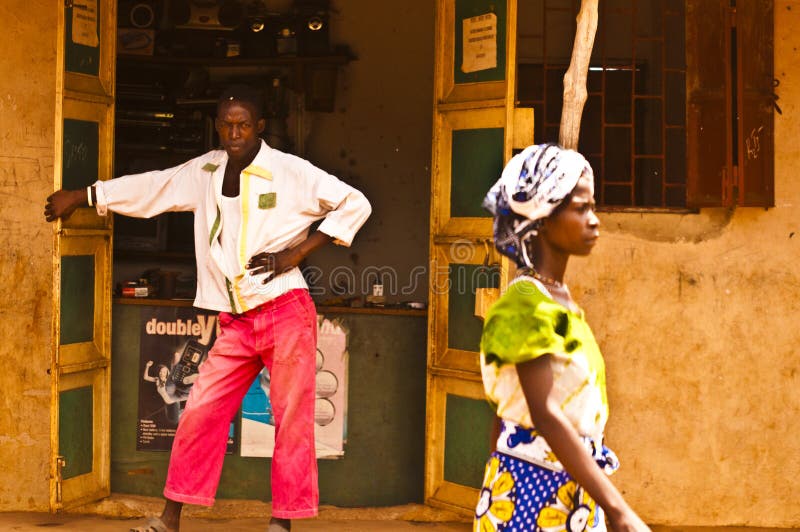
(522, 316)
(524, 297)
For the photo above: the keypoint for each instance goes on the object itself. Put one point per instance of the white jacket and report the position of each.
(281, 196)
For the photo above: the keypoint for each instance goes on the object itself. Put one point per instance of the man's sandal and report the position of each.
(153, 524)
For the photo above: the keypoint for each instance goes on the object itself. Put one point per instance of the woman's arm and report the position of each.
(536, 378)
(167, 397)
(146, 375)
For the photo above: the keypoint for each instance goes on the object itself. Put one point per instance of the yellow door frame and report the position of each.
(462, 241)
(81, 364)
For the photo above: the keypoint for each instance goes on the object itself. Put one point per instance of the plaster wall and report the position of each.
(379, 140)
(27, 111)
(697, 317)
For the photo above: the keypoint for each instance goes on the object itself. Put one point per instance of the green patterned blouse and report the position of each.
(526, 323)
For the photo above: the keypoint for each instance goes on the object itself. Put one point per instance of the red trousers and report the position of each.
(281, 335)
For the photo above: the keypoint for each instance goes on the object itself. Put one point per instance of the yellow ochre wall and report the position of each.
(697, 316)
(27, 112)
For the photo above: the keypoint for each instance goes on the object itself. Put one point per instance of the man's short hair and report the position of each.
(243, 94)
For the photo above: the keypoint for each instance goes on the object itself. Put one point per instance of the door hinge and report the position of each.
(61, 463)
(68, 3)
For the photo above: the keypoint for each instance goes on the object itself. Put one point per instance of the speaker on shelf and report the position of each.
(137, 21)
(311, 21)
(140, 14)
(259, 36)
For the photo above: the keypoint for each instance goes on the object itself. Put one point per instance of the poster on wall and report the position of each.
(84, 23)
(330, 414)
(480, 43)
(174, 343)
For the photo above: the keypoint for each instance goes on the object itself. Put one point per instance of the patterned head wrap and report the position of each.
(533, 184)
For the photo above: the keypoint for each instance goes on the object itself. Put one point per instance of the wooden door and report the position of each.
(476, 129)
(80, 368)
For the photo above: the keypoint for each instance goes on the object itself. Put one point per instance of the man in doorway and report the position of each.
(253, 206)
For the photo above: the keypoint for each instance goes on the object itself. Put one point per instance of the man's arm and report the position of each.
(139, 195)
(62, 203)
(344, 208)
(285, 260)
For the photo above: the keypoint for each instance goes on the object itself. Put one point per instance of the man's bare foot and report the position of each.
(170, 520)
(276, 524)
(152, 524)
(171, 516)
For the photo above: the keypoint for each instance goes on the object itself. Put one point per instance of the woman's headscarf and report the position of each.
(532, 185)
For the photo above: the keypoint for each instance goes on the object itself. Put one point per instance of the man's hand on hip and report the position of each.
(274, 263)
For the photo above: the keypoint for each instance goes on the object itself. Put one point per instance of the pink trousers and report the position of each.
(281, 335)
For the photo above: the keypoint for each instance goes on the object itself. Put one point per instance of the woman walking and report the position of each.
(542, 369)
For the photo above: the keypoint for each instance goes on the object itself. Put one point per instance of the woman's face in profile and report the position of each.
(574, 229)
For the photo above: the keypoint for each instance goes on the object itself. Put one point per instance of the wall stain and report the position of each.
(708, 224)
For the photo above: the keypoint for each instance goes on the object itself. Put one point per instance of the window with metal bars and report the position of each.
(680, 97)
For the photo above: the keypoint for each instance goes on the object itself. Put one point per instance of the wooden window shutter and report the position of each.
(754, 30)
(708, 110)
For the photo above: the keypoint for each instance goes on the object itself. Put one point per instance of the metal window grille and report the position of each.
(633, 129)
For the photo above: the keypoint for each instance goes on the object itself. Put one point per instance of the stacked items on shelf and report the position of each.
(222, 28)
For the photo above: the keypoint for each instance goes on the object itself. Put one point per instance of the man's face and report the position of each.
(238, 129)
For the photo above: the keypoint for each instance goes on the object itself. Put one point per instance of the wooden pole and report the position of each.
(575, 78)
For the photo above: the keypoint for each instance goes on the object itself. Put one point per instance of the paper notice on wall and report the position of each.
(84, 23)
(480, 43)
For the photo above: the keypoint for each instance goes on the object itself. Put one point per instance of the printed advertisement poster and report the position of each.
(174, 344)
(258, 424)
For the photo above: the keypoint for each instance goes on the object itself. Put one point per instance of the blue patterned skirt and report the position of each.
(525, 488)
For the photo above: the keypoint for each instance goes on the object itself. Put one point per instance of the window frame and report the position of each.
(729, 100)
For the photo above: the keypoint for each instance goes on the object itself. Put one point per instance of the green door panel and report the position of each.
(75, 418)
(77, 299)
(477, 162)
(463, 327)
(81, 153)
(468, 428)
